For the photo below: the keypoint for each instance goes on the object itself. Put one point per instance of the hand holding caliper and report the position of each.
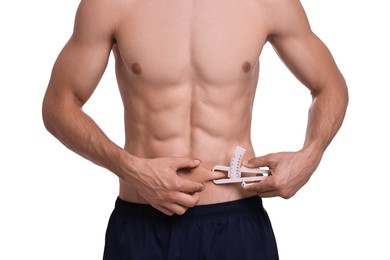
(235, 170)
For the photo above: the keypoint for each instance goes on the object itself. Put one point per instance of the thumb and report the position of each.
(257, 162)
(186, 163)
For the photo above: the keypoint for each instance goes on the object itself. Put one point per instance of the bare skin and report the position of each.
(187, 72)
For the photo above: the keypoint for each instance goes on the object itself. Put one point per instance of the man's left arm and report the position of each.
(311, 62)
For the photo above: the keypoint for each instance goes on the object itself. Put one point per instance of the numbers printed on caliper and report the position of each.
(235, 169)
(235, 162)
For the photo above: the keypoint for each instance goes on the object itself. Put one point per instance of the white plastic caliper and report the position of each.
(235, 169)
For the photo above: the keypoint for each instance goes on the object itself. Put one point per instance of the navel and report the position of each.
(246, 67)
(136, 68)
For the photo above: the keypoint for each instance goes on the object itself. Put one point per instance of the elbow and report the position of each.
(48, 114)
(343, 93)
(57, 110)
(337, 93)
(346, 95)
(53, 108)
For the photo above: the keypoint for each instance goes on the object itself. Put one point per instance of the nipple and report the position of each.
(136, 68)
(246, 67)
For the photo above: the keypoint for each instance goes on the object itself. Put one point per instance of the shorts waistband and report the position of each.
(242, 206)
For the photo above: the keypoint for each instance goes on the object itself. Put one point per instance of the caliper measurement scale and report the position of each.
(235, 170)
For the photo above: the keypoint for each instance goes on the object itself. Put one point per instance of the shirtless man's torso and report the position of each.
(187, 73)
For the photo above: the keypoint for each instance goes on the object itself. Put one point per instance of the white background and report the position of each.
(55, 205)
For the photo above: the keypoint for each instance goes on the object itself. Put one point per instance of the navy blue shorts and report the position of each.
(233, 230)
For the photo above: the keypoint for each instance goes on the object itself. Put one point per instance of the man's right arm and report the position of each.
(75, 76)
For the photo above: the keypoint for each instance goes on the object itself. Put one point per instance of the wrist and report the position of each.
(127, 164)
(312, 152)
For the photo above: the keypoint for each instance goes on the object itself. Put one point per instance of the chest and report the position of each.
(169, 41)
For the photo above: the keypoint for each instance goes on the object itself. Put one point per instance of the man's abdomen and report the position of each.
(209, 157)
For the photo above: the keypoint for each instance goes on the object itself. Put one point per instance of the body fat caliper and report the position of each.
(235, 170)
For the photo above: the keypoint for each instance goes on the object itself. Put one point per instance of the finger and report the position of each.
(164, 210)
(188, 186)
(203, 175)
(175, 208)
(266, 192)
(218, 175)
(186, 163)
(207, 176)
(178, 209)
(260, 187)
(269, 194)
(187, 200)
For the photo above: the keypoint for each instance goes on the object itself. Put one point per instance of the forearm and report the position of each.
(326, 115)
(77, 131)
